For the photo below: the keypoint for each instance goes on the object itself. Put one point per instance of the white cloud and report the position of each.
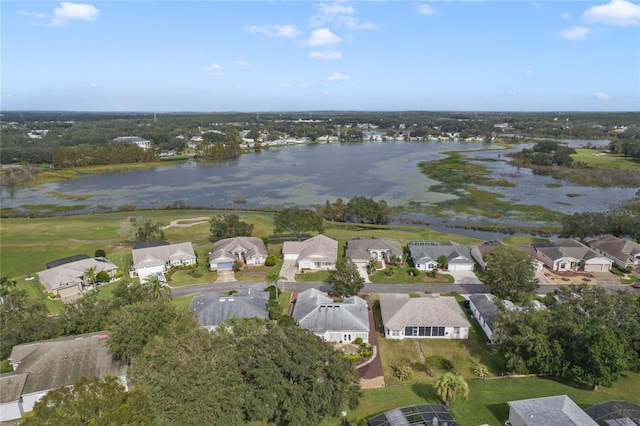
(214, 69)
(323, 37)
(285, 85)
(41, 15)
(326, 93)
(93, 86)
(274, 30)
(512, 93)
(327, 13)
(338, 76)
(73, 12)
(576, 33)
(305, 84)
(601, 95)
(566, 15)
(425, 9)
(529, 73)
(242, 63)
(353, 24)
(618, 13)
(326, 55)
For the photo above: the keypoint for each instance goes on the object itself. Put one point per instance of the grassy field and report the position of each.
(598, 159)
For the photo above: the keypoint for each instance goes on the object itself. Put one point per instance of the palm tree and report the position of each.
(274, 278)
(157, 288)
(89, 275)
(450, 388)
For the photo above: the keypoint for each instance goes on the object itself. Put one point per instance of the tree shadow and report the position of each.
(427, 392)
(499, 411)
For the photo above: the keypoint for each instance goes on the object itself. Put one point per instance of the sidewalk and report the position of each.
(370, 372)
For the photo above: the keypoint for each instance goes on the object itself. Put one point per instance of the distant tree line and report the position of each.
(357, 210)
(619, 222)
(79, 156)
(546, 153)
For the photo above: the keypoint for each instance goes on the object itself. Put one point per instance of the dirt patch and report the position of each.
(569, 277)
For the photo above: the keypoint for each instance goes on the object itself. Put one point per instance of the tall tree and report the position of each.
(23, 320)
(273, 278)
(451, 388)
(96, 401)
(89, 276)
(157, 288)
(298, 221)
(362, 210)
(327, 211)
(228, 226)
(191, 380)
(140, 229)
(339, 210)
(510, 273)
(132, 326)
(346, 279)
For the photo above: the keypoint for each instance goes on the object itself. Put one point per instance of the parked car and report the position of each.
(636, 284)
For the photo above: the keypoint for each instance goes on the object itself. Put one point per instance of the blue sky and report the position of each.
(168, 56)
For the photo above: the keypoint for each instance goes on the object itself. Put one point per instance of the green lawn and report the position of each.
(599, 159)
(321, 276)
(400, 275)
(182, 302)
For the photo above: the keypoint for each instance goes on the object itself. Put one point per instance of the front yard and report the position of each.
(400, 275)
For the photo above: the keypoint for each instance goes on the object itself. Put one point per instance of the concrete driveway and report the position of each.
(464, 277)
(606, 278)
(289, 270)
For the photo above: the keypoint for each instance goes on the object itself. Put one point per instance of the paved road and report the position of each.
(368, 288)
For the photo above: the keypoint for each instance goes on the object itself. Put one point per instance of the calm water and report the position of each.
(310, 174)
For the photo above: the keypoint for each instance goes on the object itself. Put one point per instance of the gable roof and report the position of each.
(557, 249)
(69, 274)
(361, 249)
(625, 250)
(51, 364)
(223, 250)
(214, 308)
(158, 255)
(486, 306)
(318, 313)
(400, 310)
(425, 251)
(557, 410)
(11, 385)
(316, 249)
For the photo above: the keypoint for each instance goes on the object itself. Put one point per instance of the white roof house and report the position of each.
(157, 257)
(42, 366)
(425, 255)
(140, 142)
(332, 321)
(557, 410)
(249, 250)
(68, 279)
(432, 316)
(212, 309)
(316, 253)
(624, 253)
(567, 254)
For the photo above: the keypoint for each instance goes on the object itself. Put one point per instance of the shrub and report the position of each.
(118, 274)
(480, 370)
(271, 260)
(237, 266)
(103, 277)
(100, 253)
(51, 295)
(194, 273)
(388, 272)
(413, 272)
(265, 240)
(126, 208)
(358, 340)
(402, 372)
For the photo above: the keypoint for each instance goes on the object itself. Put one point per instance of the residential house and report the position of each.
(425, 255)
(427, 317)
(249, 251)
(140, 142)
(332, 321)
(158, 256)
(557, 410)
(570, 255)
(479, 252)
(316, 253)
(624, 253)
(212, 309)
(361, 252)
(42, 366)
(68, 279)
(484, 308)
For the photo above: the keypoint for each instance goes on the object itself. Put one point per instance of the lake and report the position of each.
(305, 175)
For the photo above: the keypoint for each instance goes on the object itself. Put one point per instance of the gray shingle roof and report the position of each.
(223, 250)
(423, 253)
(318, 313)
(616, 247)
(11, 386)
(159, 255)
(71, 273)
(486, 307)
(51, 364)
(557, 249)
(214, 308)
(315, 249)
(400, 310)
(361, 249)
(557, 410)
